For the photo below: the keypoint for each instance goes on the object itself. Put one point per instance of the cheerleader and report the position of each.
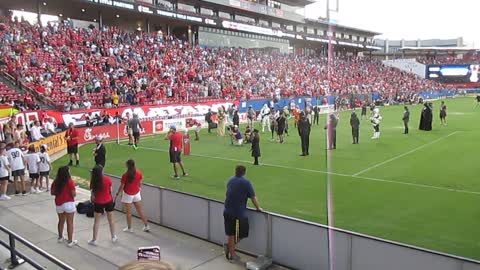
(376, 119)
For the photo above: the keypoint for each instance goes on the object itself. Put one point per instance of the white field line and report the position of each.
(331, 173)
(404, 154)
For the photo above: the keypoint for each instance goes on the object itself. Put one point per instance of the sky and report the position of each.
(408, 19)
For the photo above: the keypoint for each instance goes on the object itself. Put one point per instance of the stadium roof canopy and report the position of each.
(342, 27)
(296, 3)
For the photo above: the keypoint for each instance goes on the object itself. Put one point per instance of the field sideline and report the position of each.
(420, 189)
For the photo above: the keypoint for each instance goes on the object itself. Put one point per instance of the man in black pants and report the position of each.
(304, 132)
(100, 153)
(331, 128)
(208, 119)
(316, 114)
(355, 124)
(406, 119)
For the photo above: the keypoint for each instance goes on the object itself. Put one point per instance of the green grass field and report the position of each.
(422, 189)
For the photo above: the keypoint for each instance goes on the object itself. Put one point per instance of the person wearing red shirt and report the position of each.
(63, 188)
(72, 144)
(131, 183)
(101, 188)
(175, 139)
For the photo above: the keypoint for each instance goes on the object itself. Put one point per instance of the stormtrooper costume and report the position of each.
(376, 119)
(265, 116)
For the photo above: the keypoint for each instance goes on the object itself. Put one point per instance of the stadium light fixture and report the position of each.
(94, 20)
(60, 15)
(44, 3)
(118, 16)
(83, 10)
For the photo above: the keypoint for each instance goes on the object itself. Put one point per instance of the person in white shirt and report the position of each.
(35, 131)
(44, 166)
(17, 164)
(33, 159)
(4, 177)
(49, 127)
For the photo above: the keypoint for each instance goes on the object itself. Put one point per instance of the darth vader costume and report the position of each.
(426, 118)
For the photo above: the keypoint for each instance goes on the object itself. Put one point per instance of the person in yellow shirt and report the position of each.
(115, 99)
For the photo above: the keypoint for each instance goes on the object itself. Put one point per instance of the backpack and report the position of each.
(85, 207)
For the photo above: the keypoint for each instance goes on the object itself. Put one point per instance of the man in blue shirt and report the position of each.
(239, 190)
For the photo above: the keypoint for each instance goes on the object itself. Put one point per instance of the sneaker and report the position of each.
(130, 230)
(114, 239)
(60, 240)
(33, 190)
(70, 163)
(185, 174)
(234, 258)
(92, 242)
(135, 147)
(24, 193)
(146, 228)
(4, 198)
(72, 243)
(176, 177)
(17, 193)
(39, 190)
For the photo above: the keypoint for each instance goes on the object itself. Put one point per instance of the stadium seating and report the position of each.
(83, 67)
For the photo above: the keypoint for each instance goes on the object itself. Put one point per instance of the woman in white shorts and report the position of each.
(63, 188)
(130, 187)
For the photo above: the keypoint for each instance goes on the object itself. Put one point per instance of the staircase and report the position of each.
(40, 100)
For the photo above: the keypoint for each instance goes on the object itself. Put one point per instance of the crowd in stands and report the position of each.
(449, 59)
(85, 68)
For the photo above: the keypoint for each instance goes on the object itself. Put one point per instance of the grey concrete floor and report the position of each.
(34, 218)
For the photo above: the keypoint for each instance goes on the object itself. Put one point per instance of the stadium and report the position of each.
(359, 151)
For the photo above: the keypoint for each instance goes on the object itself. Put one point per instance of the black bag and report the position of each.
(85, 207)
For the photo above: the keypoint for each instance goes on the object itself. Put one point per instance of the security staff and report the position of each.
(355, 124)
(406, 119)
(304, 132)
(316, 114)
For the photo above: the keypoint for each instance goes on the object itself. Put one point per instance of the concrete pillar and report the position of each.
(169, 30)
(147, 25)
(190, 35)
(39, 12)
(100, 20)
(419, 43)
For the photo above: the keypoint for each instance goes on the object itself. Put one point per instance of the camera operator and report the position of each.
(236, 135)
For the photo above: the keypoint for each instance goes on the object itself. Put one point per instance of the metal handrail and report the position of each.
(14, 252)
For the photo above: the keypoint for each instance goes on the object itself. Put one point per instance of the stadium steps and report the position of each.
(34, 218)
(21, 91)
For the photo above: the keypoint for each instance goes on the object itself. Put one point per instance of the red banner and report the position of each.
(109, 132)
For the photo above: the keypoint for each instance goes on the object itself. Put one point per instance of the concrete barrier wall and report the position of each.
(290, 242)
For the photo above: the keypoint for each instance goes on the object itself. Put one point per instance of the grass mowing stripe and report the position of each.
(331, 173)
(404, 154)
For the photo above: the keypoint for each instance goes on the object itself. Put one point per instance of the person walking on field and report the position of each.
(331, 128)
(255, 146)
(71, 135)
(63, 188)
(304, 132)
(99, 152)
(355, 124)
(443, 114)
(221, 118)
(406, 119)
(175, 139)
(130, 187)
(136, 127)
(101, 188)
(236, 224)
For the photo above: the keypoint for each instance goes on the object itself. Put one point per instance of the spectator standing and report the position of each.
(331, 128)
(208, 119)
(32, 161)
(303, 126)
(250, 116)
(100, 153)
(130, 187)
(36, 131)
(17, 164)
(255, 146)
(72, 144)
(49, 127)
(175, 152)
(63, 188)
(4, 177)
(406, 119)
(236, 224)
(101, 188)
(236, 119)
(316, 114)
(136, 127)
(44, 166)
(355, 124)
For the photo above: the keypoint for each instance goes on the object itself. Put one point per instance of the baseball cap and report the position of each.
(173, 127)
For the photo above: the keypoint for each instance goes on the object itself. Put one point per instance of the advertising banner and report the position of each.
(55, 143)
(109, 132)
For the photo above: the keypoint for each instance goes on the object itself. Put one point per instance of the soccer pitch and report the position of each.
(421, 189)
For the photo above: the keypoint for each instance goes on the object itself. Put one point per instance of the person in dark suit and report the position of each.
(355, 124)
(208, 119)
(316, 114)
(426, 118)
(406, 119)
(255, 146)
(304, 132)
(364, 110)
(236, 119)
(281, 126)
(331, 128)
(100, 153)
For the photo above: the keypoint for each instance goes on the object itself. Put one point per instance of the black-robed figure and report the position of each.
(426, 118)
